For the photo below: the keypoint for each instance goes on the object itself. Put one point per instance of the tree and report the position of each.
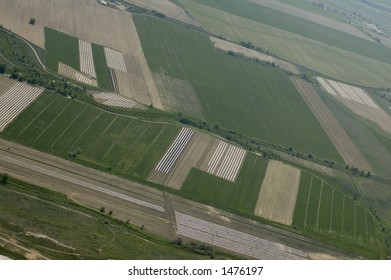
(3, 67)
(4, 179)
(32, 21)
(368, 174)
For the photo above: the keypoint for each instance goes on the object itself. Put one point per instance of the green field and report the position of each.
(61, 47)
(239, 196)
(101, 68)
(311, 8)
(240, 95)
(323, 210)
(307, 29)
(321, 56)
(59, 125)
(72, 231)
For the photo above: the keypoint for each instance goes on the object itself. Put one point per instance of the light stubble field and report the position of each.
(277, 198)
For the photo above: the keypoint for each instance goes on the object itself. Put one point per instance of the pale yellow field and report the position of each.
(277, 197)
(73, 74)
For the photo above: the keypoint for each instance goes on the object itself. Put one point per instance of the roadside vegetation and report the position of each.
(38, 223)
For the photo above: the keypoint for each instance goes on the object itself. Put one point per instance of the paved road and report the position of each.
(137, 203)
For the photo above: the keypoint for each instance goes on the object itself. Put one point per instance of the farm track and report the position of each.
(333, 129)
(112, 193)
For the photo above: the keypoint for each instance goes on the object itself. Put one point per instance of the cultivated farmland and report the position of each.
(115, 60)
(195, 155)
(15, 98)
(226, 161)
(323, 209)
(234, 240)
(165, 7)
(312, 17)
(345, 146)
(86, 59)
(71, 73)
(90, 22)
(358, 101)
(228, 46)
(367, 65)
(115, 100)
(67, 127)
(239, 95)
(277, 198)
(240, 195)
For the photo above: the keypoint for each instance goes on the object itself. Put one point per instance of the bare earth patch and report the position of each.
(342, 142)
(228, 46)
(313, 17)
(86, 20)
(165, 7)
(277, 197)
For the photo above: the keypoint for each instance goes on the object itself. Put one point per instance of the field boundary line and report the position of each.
(58, 115)
(319, 202)
(134, 144)
(58, 138)
(308, 201)
(355, 219)
(366, 226)
(40, 113)
(332, 211)
(343, 212)
(114, 142)
(81, 134)
(149, 147)
(100, 136)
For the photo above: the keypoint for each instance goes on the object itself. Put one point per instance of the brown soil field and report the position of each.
(165, 7)
(5, 84)
(228, 46)
(277, 197)
(313, 17)
(377, 115)
(344, 145)
(73, 74)
(86, 20)
(178, 96)
(198, 150)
